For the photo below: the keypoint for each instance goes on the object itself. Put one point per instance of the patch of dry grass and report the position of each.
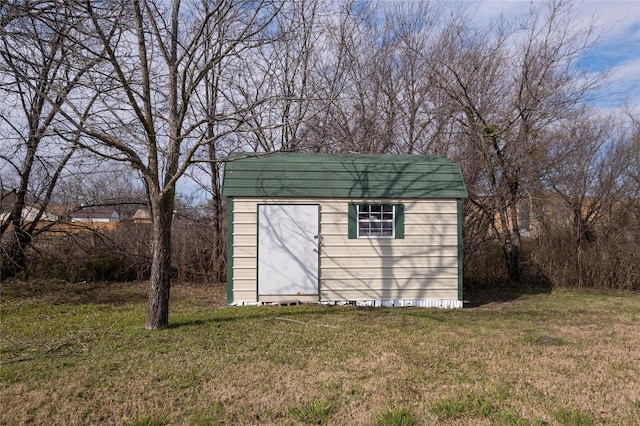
(75, 354)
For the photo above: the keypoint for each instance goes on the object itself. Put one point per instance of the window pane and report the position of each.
(375, 220)
(363, 228)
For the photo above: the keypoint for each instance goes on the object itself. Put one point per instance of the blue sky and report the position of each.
(618, 48)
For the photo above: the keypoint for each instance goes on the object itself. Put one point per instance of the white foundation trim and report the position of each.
(419, 303)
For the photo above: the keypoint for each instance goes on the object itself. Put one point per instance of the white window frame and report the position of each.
(366, 215)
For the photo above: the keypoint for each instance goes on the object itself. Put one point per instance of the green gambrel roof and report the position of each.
(342, 176)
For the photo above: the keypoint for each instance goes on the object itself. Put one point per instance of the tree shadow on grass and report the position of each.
(479, 293)
(297, 314)
(57, 292)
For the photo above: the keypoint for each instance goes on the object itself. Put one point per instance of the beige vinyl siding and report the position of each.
(436, 238)
(423, 265)
(353, 264)
(244, 295)
(378, 294)
(245, 251)
(370, 274)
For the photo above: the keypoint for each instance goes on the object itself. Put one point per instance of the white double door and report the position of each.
(288, 244)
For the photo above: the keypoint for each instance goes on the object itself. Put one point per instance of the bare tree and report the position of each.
(254, 85)
(149, 110)
(286, 77)
(99, 182)
(38, 73)
(412, 32)
(591, 227)
(385, 101)
(368, 109)
(508, 84)
(351, 76)
(283, 93)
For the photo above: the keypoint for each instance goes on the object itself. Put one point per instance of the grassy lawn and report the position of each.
(79, 354)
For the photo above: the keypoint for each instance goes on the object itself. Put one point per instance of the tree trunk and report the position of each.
(513, 260)
(508, 233)
(218, 249)
(162, 215)
(513, 253)
(15, 254)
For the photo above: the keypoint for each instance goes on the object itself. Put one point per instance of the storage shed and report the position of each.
(371, 230)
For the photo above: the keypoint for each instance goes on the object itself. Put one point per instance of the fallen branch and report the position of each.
(303, 323)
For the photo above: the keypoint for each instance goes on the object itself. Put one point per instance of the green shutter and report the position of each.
(399, 219)
(353, 221)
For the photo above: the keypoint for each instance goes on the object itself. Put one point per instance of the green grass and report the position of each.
(149, 421)
(463, 406)
(79, 354)
(574, 417)
(399, 416)
(315, 413)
